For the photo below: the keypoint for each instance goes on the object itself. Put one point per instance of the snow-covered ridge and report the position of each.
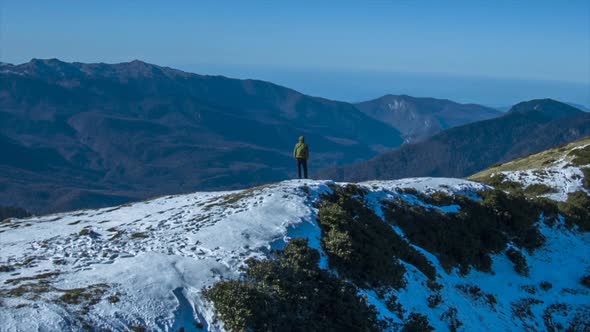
(553, 168)
(145, 264)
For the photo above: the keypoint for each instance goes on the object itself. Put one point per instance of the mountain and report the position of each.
(420, 118)
(79, 135)
(414, 255)
(461, 151)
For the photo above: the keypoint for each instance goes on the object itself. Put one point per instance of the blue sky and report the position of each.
(532, 42)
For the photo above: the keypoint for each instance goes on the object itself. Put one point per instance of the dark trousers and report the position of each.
(302, 163)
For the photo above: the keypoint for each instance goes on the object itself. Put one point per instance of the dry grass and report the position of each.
(535, 161)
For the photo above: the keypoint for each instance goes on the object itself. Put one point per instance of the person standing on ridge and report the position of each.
(301, 153)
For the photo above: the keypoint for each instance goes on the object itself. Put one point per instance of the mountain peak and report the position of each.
(548, 107)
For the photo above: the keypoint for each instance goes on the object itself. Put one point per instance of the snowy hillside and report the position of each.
(553, 173)
(143, 266)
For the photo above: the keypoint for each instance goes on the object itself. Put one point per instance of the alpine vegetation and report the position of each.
(418, 254)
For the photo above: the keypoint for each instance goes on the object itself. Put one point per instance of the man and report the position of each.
(301, 153)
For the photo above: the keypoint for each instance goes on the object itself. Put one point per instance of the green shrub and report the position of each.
(291, 293)
(519, 261)
(434, 300)
(545, 285)
(450, 316)
(585, 280)
(581, 156)
(538, 189)
(466, 239)
(417, 323)
(499, 181)
(394, 306)
(361, 246)
(576, 210)
(586, 181)
(438, 198)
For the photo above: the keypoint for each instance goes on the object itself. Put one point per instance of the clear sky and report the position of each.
(534, 40)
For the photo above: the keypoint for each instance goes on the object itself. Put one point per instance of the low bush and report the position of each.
(434, 300)
(394, 306)
(585, 280)
(416, 323)
(586, 181)
(538, 189)
(466, 239)
(291, 293)
(498, 181)
(522, 307)
(519, 261)
(581, 156)
(438, 198)
(361, 246)
(576, 210)
(450, 317)
(545, 285)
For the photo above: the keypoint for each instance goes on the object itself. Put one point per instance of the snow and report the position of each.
(561, 175)
(158, 255)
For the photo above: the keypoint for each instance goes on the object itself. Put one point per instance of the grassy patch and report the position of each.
(499, 181)
(89, 295)
(31, 290)
(291, 293)
(230, 200)
(47, 275)
(581, 156)
(139, 235)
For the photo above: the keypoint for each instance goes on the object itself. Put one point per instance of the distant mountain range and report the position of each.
(85, 135)
(420, 118)
(528, 127)
(76, 135)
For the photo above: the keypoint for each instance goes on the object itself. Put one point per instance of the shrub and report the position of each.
(522, 307)
(434, 300)
(291, 293)
(576, 210)
(499, 181)
(417, 323)
(538, 189)
(438, 198)
(450, 316)
(545, 285)
(476, 294)
(586, 181)
(394, 306)
(585, 280)
(517, 258)
(466, 239)
(581, 156)
(361, 246)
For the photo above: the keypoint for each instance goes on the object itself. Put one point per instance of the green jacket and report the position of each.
(301, 150)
